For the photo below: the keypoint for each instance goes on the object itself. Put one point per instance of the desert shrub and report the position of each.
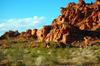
(53, 44)
(2, 55)
(98, 58)
(41, 44)
(20, 63)
(51, 56)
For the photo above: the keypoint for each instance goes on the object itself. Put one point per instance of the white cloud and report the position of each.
(21, 24)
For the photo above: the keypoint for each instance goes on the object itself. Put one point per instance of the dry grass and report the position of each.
(50, 57)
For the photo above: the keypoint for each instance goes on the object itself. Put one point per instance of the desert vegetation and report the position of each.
(73, 39)
(19, 55)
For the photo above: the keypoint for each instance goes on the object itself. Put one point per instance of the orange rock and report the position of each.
(81, 2)
(42, 33)
(77, 23)
(98, 2)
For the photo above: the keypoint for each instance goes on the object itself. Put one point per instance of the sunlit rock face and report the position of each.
(78, 22)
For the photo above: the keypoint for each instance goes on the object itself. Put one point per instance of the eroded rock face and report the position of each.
(81, 2)
(83, 19)
(98, 1)
(77, 23)
(42, 33)
(34, 33)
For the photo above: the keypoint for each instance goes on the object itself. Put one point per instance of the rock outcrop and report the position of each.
(10, 34)
(77, 23)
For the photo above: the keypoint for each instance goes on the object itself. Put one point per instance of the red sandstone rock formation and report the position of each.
(77, 23)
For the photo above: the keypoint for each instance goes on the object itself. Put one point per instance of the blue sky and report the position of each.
(29, 14)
